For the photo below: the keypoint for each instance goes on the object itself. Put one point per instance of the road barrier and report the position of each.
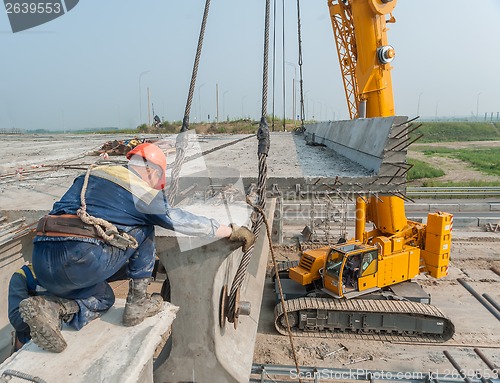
(454, 191)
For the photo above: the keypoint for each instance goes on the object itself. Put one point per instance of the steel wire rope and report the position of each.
(278, 279)
(283, 69)
(263, 150)
(299, 37)
(182, 138)
(274, 64)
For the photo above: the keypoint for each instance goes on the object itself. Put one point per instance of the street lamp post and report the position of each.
(217, 103)
(477, 106)
(294, 90)
(140, 95)
(243, 106)
(224, 104)
(418, 104)
(306, 100)
(149, 110)
(199, 100)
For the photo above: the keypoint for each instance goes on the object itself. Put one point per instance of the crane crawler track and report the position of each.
(364, 319)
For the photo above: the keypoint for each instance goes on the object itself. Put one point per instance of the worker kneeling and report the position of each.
(105, 220)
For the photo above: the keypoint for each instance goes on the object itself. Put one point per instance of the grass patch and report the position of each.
(484, 160)
(435, 183)
(458, 131)
(422, 169)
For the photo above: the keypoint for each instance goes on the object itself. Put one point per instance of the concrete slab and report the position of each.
(474, 206)
(465, 221)
(103, 351)
(11, 259)
(443, 206)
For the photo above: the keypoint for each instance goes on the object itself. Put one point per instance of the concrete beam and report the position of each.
(202, 350)
(364, 141)
(377, 144)
(103, 351)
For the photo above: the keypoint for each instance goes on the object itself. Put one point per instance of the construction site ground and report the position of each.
(34, 174)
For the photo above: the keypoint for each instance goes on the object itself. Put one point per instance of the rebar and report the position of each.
(456, 366)
(492, 301)
(486, 361)
(481, 300)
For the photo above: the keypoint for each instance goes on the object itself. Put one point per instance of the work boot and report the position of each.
(140, 305)
(44, 315)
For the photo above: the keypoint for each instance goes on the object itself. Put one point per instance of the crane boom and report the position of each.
(360, 30)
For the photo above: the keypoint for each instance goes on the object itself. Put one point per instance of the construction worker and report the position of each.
(104, 219)
(22, 285)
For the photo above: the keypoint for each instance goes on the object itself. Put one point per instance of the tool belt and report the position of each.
(66, 225)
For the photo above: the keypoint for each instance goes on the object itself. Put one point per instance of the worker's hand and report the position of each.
(242, 234)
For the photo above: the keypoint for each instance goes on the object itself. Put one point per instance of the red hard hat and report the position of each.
(154, 155)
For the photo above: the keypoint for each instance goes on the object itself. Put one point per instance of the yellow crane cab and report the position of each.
(350, 270)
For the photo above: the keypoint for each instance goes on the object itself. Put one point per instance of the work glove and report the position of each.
(242, 234)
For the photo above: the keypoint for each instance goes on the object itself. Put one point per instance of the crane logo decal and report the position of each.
(26, 14)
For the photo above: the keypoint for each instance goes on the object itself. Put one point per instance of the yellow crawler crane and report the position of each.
(377, 266)
(376, 269)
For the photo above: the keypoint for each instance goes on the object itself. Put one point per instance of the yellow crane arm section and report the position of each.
(360, 30)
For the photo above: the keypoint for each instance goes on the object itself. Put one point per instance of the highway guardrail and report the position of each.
(454, 191)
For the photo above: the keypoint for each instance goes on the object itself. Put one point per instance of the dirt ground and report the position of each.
(471, 258)
(454, 169)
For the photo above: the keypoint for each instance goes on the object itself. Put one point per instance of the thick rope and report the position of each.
(107, 231)
(263, 150)
(182, 138)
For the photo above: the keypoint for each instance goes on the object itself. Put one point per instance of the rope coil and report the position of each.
(107, 231)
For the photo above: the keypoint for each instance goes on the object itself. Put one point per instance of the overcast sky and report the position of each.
(92, 67)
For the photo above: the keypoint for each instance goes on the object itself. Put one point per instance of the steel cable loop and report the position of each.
(180, 153)
(299, 36)
(182, 138)
(263, 151)
(111, 235)
(245, 260)
(278, 279)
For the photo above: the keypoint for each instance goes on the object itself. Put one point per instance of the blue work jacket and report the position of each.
(119, 196)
